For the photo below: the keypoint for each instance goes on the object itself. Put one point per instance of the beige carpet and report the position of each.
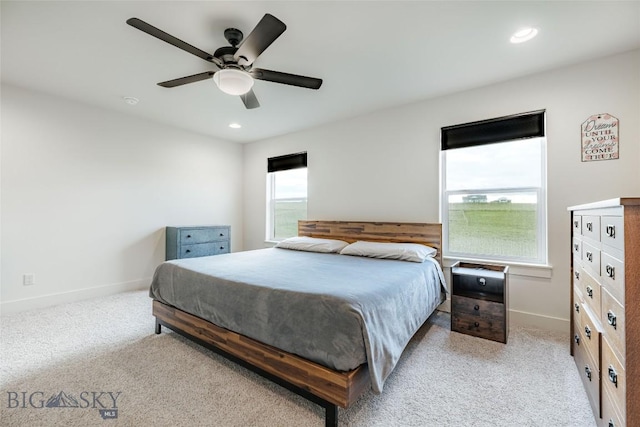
(99, 363)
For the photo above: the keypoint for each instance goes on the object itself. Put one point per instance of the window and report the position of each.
(286, 195)
(494, 191)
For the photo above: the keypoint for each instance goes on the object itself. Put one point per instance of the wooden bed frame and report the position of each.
(315, 382)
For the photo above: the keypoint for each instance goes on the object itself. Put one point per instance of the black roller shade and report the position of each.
(518, 126)
(289, 161)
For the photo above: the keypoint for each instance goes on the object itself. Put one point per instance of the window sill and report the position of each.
(515, 268)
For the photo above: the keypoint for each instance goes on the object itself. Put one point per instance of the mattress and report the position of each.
(337, 310)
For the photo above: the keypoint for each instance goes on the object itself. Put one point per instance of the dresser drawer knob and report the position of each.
(576, 338)
(611, 318)
(587, 372)
(577, 274)
(611, 424)
(577, 307)
(576, 224)
(611, 231)
(221, 234)
(188, 251)
(590, 291)
(476, 324)
(221, 247)
(589, 256)
(576, 247)
(476, 307)
(613, 376)
(587, 332)
(611, 271)
(482, 281)
(589, 226)
(188, 236)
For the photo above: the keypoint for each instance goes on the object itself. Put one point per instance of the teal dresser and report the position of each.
(191, 242)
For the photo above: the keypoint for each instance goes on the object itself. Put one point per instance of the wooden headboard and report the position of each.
(349, 231)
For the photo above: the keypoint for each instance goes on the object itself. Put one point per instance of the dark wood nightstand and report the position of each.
(479, 300)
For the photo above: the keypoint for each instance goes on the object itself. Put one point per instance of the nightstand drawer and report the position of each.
(487, 285)
(480, 318)
(202, 235)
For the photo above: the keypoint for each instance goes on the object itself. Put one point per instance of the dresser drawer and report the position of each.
(589, 374)
(612, 273)
(591, 333)
(577, 225)
(612, 233)
(576, 248)
(591, 292)
(203, 249)
(203, 235)
(591, 227)
(610, 415)
(613, 378)
(613, 322)
(577, 277)
(591, 258)
(480, 318)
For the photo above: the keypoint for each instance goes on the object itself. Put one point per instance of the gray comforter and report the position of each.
(340, 311)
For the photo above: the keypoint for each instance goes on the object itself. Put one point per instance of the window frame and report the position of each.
(542, 252)
(272, 200)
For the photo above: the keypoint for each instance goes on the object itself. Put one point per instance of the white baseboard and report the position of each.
(15, 306)
(522, 318)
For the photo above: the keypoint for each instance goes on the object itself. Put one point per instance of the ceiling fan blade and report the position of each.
(285, 78)
(166, 37)
(189, 79)
(266, 32)
(250, 100)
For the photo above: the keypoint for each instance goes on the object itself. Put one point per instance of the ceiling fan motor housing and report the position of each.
(233, 36)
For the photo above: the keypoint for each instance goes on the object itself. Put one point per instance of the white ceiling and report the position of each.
(370, 54)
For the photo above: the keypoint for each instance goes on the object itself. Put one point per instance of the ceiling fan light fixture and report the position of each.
(233, 82)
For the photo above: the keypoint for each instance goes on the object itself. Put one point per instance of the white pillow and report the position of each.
(413, 252)
(312, 244)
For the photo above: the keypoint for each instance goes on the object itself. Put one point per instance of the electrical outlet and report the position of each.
(29, 279)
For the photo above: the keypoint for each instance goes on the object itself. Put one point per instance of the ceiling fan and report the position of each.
(234, 73)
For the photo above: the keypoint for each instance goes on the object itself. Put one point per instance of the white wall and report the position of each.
(384, 166)
(86, 194)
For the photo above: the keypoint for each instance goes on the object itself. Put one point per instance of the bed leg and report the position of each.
(158, 327)
(331, 416)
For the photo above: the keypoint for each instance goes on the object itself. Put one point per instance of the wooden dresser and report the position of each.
(605, 307)
(191, 242)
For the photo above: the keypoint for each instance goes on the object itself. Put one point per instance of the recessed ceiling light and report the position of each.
(130, 100)
(235, 125)
(524, 34)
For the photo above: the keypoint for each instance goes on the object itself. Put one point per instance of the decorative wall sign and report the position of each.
(600, 138)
